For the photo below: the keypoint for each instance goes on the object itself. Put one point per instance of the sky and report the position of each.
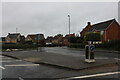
(119, 12)
(50, 18)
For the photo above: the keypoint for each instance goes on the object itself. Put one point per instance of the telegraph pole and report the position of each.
(16, 30)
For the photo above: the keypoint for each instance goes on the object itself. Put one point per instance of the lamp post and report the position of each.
(69, 23)
(69, 29)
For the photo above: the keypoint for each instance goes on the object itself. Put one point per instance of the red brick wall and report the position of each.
(119, 33)
(112, 32)
(82, 33)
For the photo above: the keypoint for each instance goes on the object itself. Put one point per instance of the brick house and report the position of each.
(2, 39)
(30, 37)
(40, 39)
(36, 38)
(57, 39)
(109, 30)
(48, 40)
(22, 39)
(65, 41)
(13, 38)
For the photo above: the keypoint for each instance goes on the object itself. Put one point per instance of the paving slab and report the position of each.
(60, 60)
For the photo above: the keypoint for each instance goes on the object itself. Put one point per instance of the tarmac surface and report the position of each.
(66, 61)
(25, 66)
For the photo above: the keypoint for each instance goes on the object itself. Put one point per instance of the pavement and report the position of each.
(59, 60)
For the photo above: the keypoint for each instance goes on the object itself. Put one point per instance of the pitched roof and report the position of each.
(101, 26)
(2, 38)
(32, 36)
(22, 37)
(36, 36)
(13, 35)
(39, 36)
(70, 35)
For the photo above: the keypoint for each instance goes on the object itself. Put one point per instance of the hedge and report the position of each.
(17, 46)
(77, 45)
(111, 45)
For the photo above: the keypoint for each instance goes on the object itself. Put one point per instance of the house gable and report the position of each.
(112, 32)
(30, 38)
(35, 38)
(101, 26)
(109, 30)
(82, 33)
(13, 37)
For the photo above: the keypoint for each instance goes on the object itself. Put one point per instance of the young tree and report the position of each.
(92, 36)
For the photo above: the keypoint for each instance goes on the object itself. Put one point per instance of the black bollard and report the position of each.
(89, 53)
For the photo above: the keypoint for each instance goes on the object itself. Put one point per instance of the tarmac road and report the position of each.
(81, 52)
(14, 68)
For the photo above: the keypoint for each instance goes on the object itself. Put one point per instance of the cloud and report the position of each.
(51, 18)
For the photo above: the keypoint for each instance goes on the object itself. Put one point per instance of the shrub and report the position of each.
(92, 36)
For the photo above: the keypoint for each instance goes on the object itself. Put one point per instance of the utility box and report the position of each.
(89, 53)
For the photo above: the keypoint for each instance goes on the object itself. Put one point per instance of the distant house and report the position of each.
(65, 41)
(3, 40)
(36, 38)
(40, 39)
(31, 37)
(109, 30)
(57, 39)
(13, 38)
(48, 40)
(22, 39)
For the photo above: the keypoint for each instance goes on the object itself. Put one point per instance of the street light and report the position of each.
(69, 29)
(69, 23)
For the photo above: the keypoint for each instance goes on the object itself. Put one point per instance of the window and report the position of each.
(102, 32)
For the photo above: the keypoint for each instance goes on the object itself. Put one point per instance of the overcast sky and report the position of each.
(51, 18)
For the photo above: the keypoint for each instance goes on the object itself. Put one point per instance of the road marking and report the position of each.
(94, 75)
(101, 58)
(10, 61)
(21, 78)
(23, 51)
(2, 56)
(82, 55)
(2, 67)
(117, 58)
(23, 65)
(6, 58)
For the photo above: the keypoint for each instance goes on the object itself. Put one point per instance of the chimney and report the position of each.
(74, 34)
(89, 23)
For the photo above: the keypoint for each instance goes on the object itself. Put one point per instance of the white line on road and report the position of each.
(2, 67)
(94, 75)
(23, 65)
(101, 58)
(2, 56)
(6, 58)
(82, 55)
(117, 58)
(10, 61)
(21, 78)
(23, 51)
